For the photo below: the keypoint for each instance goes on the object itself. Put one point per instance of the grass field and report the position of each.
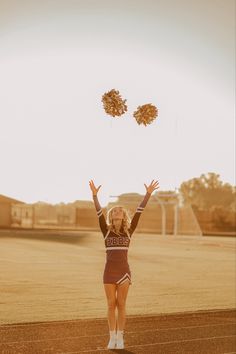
(48, 276)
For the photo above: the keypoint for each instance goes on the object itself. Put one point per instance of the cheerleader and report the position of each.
(117, 231)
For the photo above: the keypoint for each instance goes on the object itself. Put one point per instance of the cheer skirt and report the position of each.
(116, 273)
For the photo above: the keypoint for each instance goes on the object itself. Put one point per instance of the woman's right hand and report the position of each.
(93, 188)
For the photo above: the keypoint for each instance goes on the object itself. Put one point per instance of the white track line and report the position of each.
(126, 332)
(175, 328)
(176, 341)
(49, 323)
(159, 329)
(146, 345)
(135, 317)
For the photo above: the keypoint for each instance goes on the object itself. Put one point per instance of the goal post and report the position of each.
(175, 219)
(184, 220)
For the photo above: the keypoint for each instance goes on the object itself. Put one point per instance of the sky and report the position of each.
(57, 59)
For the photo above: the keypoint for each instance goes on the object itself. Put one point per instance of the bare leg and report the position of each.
(122, 292)
(110, 290)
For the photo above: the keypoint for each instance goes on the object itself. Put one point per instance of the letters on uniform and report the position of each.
(114, 241)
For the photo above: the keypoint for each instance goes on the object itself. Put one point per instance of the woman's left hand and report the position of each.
(152, 186)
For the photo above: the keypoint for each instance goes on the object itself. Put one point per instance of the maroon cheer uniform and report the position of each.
(117, 269)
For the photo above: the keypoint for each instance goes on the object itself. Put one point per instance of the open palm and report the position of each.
(93, 188)
(152, 186)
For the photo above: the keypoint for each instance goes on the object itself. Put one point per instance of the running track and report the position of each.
(186, 333)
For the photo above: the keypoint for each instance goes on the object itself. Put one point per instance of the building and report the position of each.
(6, 204)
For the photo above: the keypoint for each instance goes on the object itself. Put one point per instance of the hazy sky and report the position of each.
(57, 58)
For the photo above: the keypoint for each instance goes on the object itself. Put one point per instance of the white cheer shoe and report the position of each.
(112, 343)
(120, 340)
(120, 344)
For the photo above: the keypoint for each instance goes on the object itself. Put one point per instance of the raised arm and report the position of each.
(101, 218)
(149, 189)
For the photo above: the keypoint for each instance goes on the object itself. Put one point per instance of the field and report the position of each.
(49, 276)
(182, 299)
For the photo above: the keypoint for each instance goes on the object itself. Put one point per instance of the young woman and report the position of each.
(117, 232)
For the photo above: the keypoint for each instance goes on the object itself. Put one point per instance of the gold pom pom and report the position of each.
(146, 114)
(113, 103)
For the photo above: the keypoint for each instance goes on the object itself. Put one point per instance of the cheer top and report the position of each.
(117, 245)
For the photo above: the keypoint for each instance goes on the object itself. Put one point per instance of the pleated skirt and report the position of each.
(116, 273)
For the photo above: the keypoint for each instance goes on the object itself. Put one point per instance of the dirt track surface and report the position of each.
(200, 332)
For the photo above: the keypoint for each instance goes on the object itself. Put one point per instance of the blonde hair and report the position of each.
(125, 224)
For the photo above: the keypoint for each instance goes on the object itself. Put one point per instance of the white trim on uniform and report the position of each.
(107, 234)
(124, 278)
(117, 248)
(139, 210)
(99, 213)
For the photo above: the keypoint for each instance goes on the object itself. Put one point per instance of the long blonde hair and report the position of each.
(125, 224)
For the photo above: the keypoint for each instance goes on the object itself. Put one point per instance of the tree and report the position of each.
(208, 191)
